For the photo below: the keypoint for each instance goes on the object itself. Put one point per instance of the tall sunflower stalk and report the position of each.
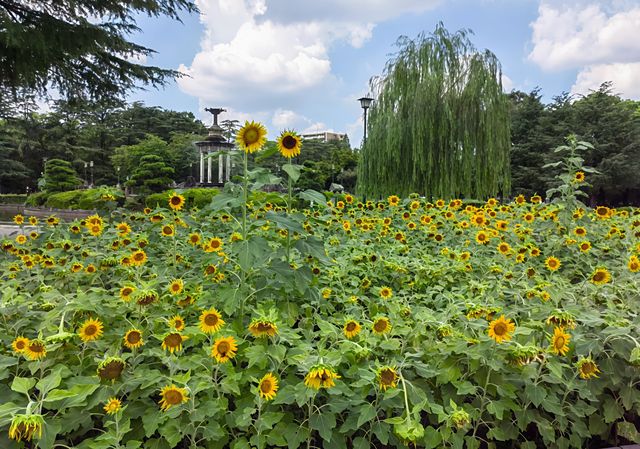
(289, 144)
(250, 138)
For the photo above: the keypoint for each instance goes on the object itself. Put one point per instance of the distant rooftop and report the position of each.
(325, 136)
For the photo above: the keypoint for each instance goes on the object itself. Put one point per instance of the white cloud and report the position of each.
(507, 83)
(573, 34)
(317, 127)
(258, 54)
(625, 78)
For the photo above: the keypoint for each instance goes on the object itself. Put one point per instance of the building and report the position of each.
(325, 136)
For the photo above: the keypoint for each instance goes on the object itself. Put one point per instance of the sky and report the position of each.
(302, 64)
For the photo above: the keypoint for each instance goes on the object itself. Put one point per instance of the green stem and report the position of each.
(245, 192)
(288, 230)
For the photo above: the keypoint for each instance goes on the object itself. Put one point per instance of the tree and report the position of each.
(79, 46)
(231, 128)
(152, 175)
(440, 122)
(59, 176)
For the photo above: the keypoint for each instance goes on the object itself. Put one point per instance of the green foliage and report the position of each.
(427, 130)
(196, 197)
(60, 176)
(37, 199)
(90, 53)
(13, 199)
(152, 174)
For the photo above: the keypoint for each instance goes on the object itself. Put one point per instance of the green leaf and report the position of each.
(23, 384)
(50, 382)
(314, 196)
(367, 413)
(324, 423)
(7, 410)
(72, 397)
(535, 393)
(628, 430)
(292, 170)
(360, 443)
(612, 410)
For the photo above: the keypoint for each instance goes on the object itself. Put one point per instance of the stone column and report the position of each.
(228, 167)
(209, 168)
(201, 167)
(221, 169)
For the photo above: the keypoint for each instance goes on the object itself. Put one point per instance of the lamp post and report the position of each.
(86, 181)
(365, 103)
(91, 166)
(118, 172)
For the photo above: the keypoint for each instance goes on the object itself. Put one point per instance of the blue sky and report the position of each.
(302, 64)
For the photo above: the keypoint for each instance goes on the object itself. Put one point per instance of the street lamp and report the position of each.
(91, 166)
(118, 172)
(365, 103)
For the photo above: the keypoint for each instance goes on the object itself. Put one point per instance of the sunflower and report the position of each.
(634, 264)
(560, 341)
(211, 321)
(172, 396)
(600, 276)
(251, 137)
(35, 350)
(289, 144)
(126, 291)
(351, 328)
(21, 239)
(25, 427)
(482, 238)
(194, 239)
(111, 368)
(19, 344)
(263, 328)
(381, 326)
(587, 368)
(138, 257)
(133, 339)
(501, 329)
(176, 201)
(585, 246)
(113, 406)
(18, 219)
(224, 349)
(90, 330)
(393, 200)
(552, 263)
(387, 377)
(320, 377)
(579, 177)
(146, 297)
(95, 229)
(504, 248)
(168, 231)
(268, 386)
(177, 323)
(173, 342)
(76, 267)
(176, 286)
(386, 292)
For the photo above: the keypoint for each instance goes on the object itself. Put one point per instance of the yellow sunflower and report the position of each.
(289, 144)
(172, 396)
(634, 264)
(21, 239)
(393, 200)
(35, 350)
(268, 386)
(113, 406)
(18, 219)
(585, 246)
(20, 344)
(560, 341)
(552, 263)
(504, 248)
(133, 339)
(482, 238)
(177, 323)
(168, 231)
(176, 201)
(387, 377)
(211, 321)
(386, 292)
(25, 427)
(501, 329)
(600, 276)
(224, 349)
(351, 328)
(173, 342)
(587, 368)
(176, 286)
(138, 257)
(263, 328)
(194, 239)
(381, 326)
(126, 291)
(251, 137)
(320, 377)
(90, 330)
(111, 368)
(579, 177)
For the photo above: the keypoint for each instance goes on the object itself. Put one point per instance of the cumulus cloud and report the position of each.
(260, 53)
(624, 77)
(573, 34)
(507, 83)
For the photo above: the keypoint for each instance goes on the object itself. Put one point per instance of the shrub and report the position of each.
(36, 199)
(13, 198)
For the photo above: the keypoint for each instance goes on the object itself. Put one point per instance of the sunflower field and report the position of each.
(286, 321)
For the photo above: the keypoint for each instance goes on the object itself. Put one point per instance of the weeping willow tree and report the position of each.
(440, 124)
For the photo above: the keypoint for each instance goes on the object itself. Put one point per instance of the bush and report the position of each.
(65, 200)
(36, 199)
(13, 198)
(196, 197)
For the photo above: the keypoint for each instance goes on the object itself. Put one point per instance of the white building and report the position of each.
(325, 136)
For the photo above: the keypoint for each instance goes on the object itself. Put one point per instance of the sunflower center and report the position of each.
(210, 319)
(173, 397)
(167, 230)
(127, 291)
(588, 368)
(351, 326)
(111, 370)
(380, 325)
(598, 276)
(173, 340)
(500, 329)
(552, 263)
(264, 327)
(560, 342)
(251, 136)
(20, 344)
(133, 337)
(266, 386)
(175, 200)
(223, 347)
(138, 257)
(175, 287)
(289, 142)
(90, 330)
(387, 376)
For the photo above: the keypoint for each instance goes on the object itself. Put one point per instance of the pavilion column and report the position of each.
(220, 169)
(201, 167)
(228, 167)
(209, 169)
